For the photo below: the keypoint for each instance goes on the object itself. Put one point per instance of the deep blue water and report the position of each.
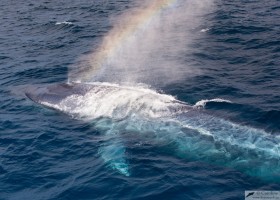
(45, 154)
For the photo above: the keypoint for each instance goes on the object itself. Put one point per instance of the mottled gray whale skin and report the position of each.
(56, 92)
(165, 121)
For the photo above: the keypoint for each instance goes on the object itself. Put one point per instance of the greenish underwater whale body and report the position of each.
(119, 111)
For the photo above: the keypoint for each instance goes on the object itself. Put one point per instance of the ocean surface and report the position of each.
(222, 61)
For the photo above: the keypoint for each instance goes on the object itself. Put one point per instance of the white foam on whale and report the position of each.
(116, 101)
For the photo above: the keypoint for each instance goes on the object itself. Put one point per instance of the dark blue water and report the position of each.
(46, 154)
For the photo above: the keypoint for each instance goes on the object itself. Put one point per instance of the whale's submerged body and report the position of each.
(119, 111)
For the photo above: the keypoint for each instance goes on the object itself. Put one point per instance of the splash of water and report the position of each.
(148, 44)
(202, 103)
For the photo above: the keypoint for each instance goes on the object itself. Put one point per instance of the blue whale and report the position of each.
(121, 111)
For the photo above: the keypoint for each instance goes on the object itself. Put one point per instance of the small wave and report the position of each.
(204, 30)
(64, 22)
(202, 103)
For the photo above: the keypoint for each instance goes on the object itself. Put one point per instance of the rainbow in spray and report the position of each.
(132, 23)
